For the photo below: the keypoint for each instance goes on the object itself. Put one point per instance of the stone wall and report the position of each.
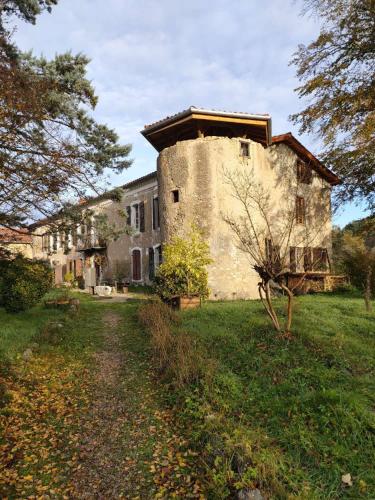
(199, 168)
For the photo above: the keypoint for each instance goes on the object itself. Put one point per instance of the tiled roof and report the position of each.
(14, 236)
(194, 109)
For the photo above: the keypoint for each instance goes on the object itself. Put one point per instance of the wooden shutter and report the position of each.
(151, 264)
(136, 256)
(160, 255)
(300, 210)
(142, 217)
(320, 259)
(155, 213)
(128, 216)
(307, 261)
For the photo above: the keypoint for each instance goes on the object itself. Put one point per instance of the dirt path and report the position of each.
(128, 446)
(101, 472)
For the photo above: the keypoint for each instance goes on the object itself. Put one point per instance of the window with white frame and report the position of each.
(135, 219)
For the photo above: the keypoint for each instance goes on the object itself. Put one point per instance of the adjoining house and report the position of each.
(16, 241)
(197, 148)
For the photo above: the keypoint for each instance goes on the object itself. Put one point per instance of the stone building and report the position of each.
(16, 241)
(198, 148)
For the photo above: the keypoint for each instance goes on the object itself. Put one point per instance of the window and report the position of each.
(54, 242)
(273, 256)
(142, 217)
(74, 236)
(320, 259)
(307, 259)
(151, 264)
(175, 196)
(128, 216)
(158, 256)
(245, 149)
(304, 172)
(155, 213)
(135, 215)
(300, 210)
(155, 259)
(136, 265)
(67, 240)
(46, 242)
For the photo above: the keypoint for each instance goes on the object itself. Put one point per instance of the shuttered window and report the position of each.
(74, 236)
(54, 242)
(273, 255)
(136, 265)
(293, 259)
(320, 259)
(155, 213)
(128, 216)
(307, 259)
(46, 243)
(151, 264)
(304, 172)
(142, 217)
(300, 210)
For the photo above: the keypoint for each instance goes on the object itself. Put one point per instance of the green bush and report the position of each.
(23, 282)
(184, 267)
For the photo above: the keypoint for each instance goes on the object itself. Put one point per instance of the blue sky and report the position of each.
(151, 59)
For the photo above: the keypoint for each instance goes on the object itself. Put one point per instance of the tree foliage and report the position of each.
(337, 74)
(51, 150)
(184, 267)
(354, 255)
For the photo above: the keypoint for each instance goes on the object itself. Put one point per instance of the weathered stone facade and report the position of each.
(196, 154)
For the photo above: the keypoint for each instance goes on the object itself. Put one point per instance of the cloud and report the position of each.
(151, 59)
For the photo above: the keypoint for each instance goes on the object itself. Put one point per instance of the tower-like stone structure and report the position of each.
(197, 148)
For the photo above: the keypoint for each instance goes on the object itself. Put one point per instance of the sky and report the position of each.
(152, 59)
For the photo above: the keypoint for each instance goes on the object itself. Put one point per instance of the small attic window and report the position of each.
(175, 196)
(245, 149)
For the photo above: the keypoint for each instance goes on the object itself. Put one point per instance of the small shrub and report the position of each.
(69, 278)
(175, 353)
(23, 283)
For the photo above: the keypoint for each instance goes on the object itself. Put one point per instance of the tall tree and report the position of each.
(51, 149)
(337, 72)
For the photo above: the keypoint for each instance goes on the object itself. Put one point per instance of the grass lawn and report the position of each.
(289, 417)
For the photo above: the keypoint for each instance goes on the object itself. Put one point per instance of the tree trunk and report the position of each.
(289, 308)
(368, 288)
(268, 305)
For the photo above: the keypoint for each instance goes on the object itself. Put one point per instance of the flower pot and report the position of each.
(182, 302)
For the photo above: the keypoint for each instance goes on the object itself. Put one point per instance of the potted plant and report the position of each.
(182, 278)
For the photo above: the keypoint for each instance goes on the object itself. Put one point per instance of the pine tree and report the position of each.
(51, 150)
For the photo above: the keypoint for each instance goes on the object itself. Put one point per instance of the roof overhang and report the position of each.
(198, 122)
(307, 157)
